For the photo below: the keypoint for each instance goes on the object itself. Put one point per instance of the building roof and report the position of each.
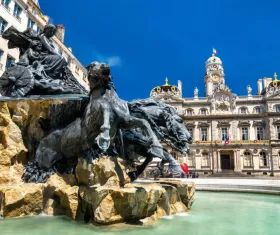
(213, 60)
(166, 88)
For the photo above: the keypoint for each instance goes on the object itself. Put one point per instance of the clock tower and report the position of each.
(214, 74)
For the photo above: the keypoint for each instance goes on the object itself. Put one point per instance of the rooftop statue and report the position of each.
(41, 70)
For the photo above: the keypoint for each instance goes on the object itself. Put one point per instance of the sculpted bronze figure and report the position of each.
(41, 70)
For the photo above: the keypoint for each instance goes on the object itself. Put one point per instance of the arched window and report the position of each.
(258, 110)
(189, 112)
(243, 110)
(247, 159)
(203, 111)
(205, 160)
(277, 108)
(263, 159)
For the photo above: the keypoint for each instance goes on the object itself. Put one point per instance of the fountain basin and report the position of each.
(211, 214)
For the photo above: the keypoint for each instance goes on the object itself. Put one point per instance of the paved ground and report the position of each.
(249, 185)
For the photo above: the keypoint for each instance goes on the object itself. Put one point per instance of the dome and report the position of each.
(272, 85)
(213, 60)
(165, 89)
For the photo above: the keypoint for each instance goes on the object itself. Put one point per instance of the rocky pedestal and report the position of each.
(99, 193)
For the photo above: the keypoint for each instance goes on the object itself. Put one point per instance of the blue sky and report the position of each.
(147, 40)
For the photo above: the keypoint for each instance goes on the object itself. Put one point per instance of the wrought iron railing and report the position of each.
(233, 142)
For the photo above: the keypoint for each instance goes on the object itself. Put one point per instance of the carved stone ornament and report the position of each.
(255, 151)
(197, 151)
(190, 124)
(244, 123)
(203, 123)
(276, 121)
(223, 123)
(259, 123)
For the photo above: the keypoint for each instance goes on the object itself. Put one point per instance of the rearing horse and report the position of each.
(104, 116)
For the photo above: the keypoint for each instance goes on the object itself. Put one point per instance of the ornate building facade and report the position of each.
(23, 14)
(230, 132)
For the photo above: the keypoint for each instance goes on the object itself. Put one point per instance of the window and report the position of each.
(258, 110)
(205, 160)
(6, 3)
(34, 12)
(277, 107)
(245, 133)
(77, 69)
(203, 111)
(278, 132)
(30, 23)
(247, 159)
(10, 62)
(68, 60)
(224, 133)
(204, 134)
(17, 11)
(189, 112)
(60, 51)
(243, 110)
(259, 133)
(3, 25)
(190, 160)
(263, 159)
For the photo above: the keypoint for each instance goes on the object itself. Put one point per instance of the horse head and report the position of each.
(179, 135)
(99, 75)
(164, 121)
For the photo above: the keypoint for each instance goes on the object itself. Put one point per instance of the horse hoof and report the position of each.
(132, 175)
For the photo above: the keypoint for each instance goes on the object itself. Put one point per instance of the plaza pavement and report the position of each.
(247, 185)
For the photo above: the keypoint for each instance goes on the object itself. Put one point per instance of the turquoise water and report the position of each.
(212, 213)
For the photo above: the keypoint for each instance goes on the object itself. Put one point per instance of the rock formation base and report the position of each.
(99, 193)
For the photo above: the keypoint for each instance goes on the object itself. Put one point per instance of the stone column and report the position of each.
(209, 89)
(215, 161)
(198, 161)
(180, 86)
(235, 161)
(219, 161)
(260, 86)
(256, 162)
(239, 161)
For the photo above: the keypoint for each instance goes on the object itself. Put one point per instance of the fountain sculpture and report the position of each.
(78, 155)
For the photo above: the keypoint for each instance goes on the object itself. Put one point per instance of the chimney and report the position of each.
(267, 81)
(180, 87)
(260, 86)
(60, 32)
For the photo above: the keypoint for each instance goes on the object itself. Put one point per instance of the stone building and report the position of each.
(231, 133)
(23, 14)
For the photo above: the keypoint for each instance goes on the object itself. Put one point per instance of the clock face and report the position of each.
(216, 78)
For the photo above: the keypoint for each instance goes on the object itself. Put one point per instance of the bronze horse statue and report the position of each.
(92, 134)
